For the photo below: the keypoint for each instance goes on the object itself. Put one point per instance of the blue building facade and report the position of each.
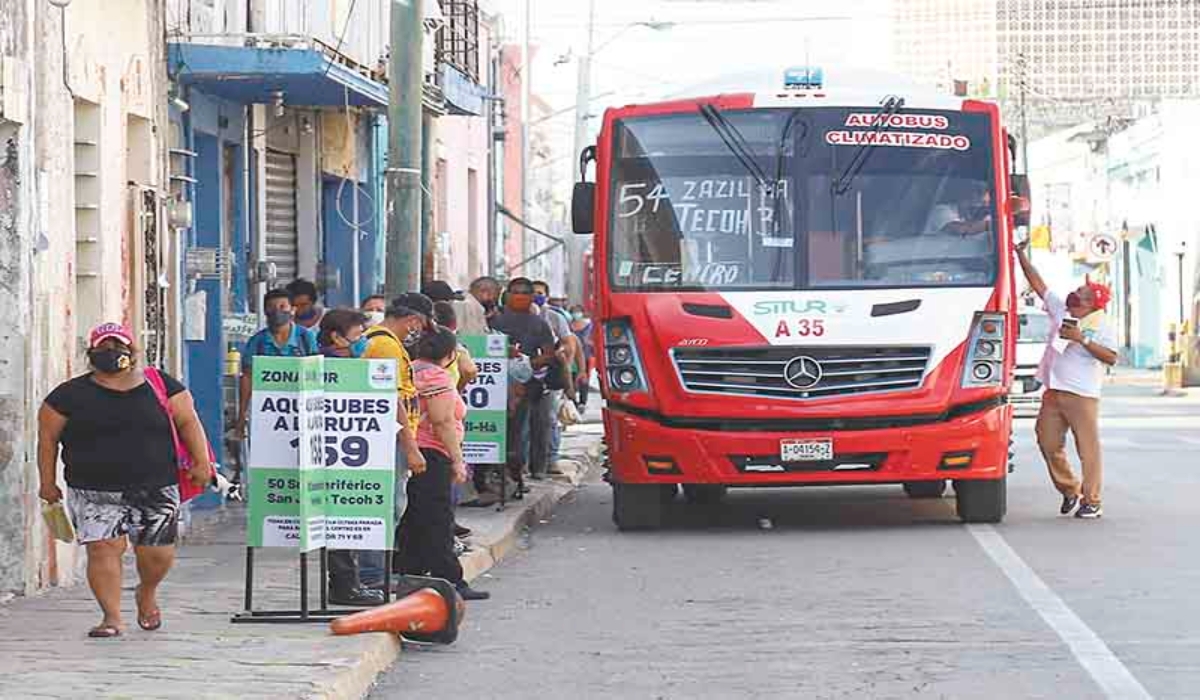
(277, 152)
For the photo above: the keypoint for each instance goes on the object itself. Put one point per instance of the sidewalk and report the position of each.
(198, 653)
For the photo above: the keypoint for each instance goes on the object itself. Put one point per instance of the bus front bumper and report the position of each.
(647, 449)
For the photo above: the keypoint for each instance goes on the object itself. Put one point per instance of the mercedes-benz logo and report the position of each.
(802, 372)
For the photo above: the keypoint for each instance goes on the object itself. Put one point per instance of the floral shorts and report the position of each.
(148, 515)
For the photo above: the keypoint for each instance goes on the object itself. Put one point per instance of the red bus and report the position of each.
(812, 284)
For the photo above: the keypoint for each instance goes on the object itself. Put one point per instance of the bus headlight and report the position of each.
(621, 355)
(625, 379)
(982, 372)
(625, 372)
(985, 352)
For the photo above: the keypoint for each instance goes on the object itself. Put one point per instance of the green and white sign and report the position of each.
(322, 453)
(311, 411)
(487, 400)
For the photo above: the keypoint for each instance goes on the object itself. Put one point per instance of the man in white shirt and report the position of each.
(1072, 371)
(970, 215)
(479, 303)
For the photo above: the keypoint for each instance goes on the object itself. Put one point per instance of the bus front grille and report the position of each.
(800, 372)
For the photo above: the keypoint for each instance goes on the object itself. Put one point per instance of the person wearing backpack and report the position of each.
(282, 337)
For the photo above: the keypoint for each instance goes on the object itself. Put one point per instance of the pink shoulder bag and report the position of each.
(187, 490)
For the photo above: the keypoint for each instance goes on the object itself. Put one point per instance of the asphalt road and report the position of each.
(856, 592)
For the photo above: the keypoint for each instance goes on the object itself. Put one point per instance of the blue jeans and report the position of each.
(370, 563)
(555, 400)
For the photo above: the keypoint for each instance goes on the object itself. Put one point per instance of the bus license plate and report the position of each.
(806, 450)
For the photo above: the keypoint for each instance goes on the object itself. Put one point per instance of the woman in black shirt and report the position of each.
(121, 471)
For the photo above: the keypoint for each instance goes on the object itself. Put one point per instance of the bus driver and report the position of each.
(970, 213)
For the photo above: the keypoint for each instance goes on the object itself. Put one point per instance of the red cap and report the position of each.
(115, 331)
(1101, 293)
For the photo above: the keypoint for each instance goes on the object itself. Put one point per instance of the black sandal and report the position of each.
(104, 632)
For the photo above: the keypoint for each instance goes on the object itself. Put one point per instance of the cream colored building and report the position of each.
(1074, 57)
(82, 231)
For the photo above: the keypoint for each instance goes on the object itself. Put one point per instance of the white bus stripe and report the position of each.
(1089, 650)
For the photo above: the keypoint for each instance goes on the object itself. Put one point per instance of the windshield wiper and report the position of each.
(779, 154)
(736, 143)
(891, 105)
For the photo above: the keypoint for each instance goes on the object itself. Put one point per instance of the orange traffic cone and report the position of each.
(431, 614)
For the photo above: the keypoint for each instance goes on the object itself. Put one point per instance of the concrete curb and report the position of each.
(354, 680)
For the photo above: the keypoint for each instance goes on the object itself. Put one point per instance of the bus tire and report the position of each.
(704, 494)
(925, 489)
(982, 501)
(637, 506)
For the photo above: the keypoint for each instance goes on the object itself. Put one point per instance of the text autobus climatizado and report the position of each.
(906, 139)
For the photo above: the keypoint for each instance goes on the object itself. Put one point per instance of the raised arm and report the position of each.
(1031, 273)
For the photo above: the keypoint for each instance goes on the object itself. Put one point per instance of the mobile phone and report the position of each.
(1068, 323)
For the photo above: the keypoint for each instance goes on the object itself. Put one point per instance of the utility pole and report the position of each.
(583, 85)
(405, 84)
(526, 94)
(583, 98)
(1179, 255)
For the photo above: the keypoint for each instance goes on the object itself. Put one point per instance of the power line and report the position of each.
(721, 22)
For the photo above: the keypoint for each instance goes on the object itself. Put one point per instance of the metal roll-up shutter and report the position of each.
(282, 231)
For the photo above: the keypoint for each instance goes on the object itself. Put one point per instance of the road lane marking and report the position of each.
(1089, 650)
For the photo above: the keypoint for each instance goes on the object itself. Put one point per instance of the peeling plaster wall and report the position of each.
(18, 544)
(114, 58)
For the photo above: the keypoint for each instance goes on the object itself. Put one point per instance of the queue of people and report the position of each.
(114, 502)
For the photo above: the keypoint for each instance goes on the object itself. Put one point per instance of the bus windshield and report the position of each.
(690, 208)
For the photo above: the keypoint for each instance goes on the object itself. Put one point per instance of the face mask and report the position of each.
(358, 347)
(539, 299)
(489, 305)
(519, 302)
(578, 316)
(110, 361)
(307, 315)
(375, 318)
(412, 338)
(278, 319)
(1072, 300)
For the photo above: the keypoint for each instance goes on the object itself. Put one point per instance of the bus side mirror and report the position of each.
(583, 199)
(583, 202)
(1019, 199)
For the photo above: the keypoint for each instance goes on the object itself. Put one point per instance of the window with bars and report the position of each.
(458, 39)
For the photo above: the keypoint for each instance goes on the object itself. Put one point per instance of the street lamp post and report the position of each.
(583, 99)
(1179, 255)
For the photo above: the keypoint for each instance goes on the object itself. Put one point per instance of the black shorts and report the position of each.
(148, 515)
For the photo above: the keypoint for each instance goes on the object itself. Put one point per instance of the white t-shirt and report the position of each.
(941, 216)
(558, 323)
(1073, 369)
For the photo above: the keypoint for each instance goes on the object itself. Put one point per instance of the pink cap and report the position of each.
(115, 331)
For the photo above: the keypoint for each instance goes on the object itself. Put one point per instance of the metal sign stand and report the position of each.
(323, 614)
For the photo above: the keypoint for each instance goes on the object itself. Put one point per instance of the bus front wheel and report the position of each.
(982, 501)
(637, 506)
